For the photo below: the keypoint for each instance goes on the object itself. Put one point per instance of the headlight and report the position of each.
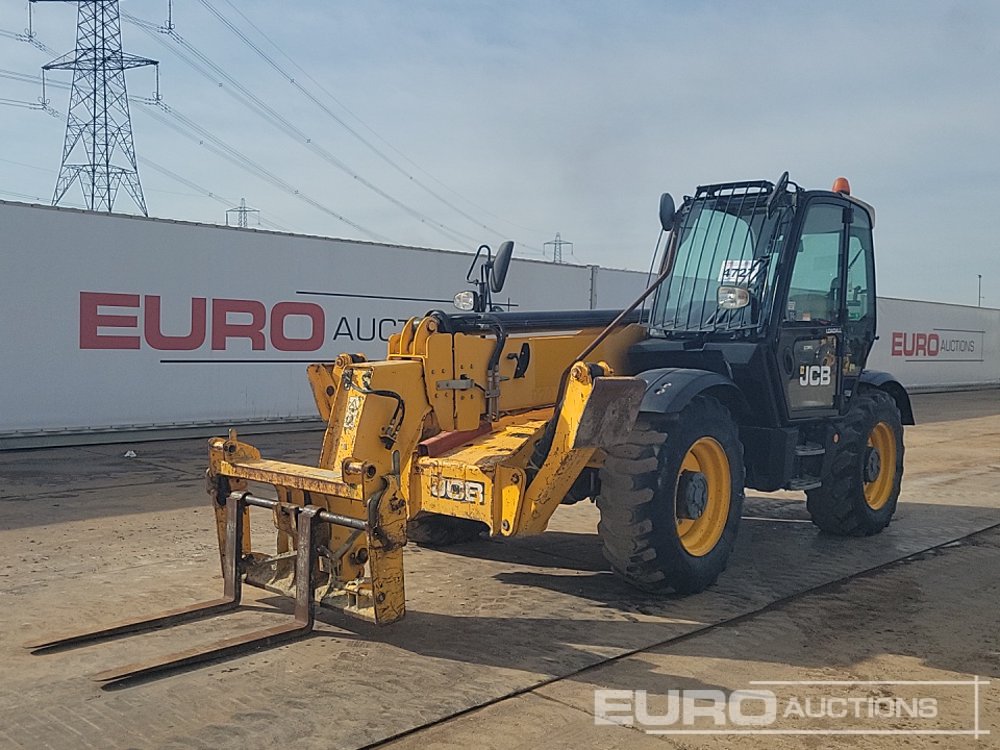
(465, 300)
(733, 297)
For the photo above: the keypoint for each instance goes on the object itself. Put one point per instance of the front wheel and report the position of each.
(859, 493)
(671, 498)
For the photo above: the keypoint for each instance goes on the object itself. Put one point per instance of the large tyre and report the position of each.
(671, 498)
(434, 530)
(859, 493)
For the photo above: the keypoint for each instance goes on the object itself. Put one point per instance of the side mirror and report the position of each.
(498, 274)
(667, 212)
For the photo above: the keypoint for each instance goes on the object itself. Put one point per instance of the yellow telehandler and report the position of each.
(747, 369)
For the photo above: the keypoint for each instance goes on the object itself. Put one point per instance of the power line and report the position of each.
(26, 166)
(183, 181)
(187, 128)
(255, 103)
(315, 100)
(27, 78)
(146, 162)
(367, 127)
(22, 196)
(28, 36)
(43, 103)
(19, 103)
(190, 129)
(36, 199)
(204, 191)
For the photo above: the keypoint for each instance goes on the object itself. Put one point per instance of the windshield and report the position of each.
(723, 240)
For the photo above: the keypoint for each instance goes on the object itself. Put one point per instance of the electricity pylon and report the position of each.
(557, 245)
(98, 150)
(242, 213)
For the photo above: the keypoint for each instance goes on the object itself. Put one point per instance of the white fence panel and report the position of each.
(612, 287)
(114, 322)
(118, 323)
(932, 346)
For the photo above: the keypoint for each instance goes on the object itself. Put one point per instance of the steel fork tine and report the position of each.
(305, 565)
(230, 600)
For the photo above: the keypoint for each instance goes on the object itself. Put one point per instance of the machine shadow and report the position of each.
(600, 616)
(553, 549)
(581, 550)
(586, 616)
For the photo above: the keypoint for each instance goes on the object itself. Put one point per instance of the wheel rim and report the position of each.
(882, 440)
(700, 535)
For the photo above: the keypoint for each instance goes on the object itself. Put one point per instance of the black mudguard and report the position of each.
(886, 382)
(670, 389)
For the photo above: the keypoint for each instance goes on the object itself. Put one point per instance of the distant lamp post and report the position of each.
(979, 296)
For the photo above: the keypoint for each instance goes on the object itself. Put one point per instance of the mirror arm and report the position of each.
(485, 299)
(475, 259)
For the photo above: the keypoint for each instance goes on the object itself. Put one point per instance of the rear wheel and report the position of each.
(671, 498)
(435, 530)
(859, 493)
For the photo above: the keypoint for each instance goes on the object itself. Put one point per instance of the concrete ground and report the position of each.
(504, 643)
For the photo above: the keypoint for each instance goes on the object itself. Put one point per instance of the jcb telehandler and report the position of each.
(747, 370)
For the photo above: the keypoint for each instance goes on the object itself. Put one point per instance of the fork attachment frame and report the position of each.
(307, 520)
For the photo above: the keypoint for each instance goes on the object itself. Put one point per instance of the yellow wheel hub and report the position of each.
(880, 469)
(707, 458)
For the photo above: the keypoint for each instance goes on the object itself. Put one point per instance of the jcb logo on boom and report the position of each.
(814, 375)
(458, 490)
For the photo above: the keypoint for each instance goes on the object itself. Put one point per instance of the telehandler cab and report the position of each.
(747, 370)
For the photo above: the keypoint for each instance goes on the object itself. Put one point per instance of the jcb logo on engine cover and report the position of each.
(814, 375)
(459, 490)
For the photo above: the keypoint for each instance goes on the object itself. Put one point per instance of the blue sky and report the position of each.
(538, 117)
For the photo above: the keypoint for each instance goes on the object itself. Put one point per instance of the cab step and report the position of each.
(809, 449)
(804, 482)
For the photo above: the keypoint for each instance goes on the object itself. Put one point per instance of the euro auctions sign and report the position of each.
(934, 346)
(853, 708)
(938, 344)
(132, 321)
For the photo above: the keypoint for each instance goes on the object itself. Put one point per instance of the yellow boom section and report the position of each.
(461, 424)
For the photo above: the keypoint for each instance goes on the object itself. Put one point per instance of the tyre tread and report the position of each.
(835, 506)
(628, 503)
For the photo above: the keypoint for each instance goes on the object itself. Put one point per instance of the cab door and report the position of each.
(859, 298)
(811, 333)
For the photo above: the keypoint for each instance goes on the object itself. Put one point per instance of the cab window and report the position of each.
(814, 293)
(860, 268)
